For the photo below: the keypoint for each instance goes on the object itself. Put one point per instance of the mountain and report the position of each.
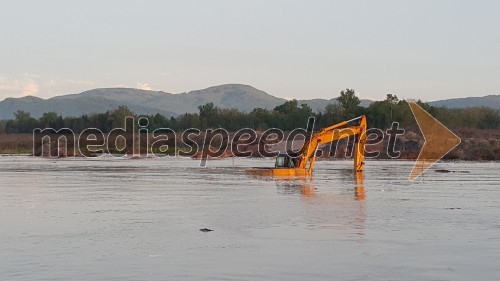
(238, 96)
(71, 106)
(488, 101)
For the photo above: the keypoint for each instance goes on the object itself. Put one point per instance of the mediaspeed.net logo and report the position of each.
(136, 140)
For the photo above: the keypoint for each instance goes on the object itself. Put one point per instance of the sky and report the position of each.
(428, 50)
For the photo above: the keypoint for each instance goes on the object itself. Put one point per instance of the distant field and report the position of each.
(16, 143)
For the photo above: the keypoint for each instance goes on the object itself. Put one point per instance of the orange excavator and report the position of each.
(302, 163)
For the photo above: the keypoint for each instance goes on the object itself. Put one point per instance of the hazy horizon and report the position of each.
(297, 98)
(290, 49)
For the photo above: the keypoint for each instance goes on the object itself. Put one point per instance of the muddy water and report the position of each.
(117, 219)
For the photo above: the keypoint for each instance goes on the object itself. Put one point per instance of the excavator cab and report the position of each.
(285, 160)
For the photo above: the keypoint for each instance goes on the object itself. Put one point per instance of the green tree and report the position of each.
(349, 102)
(117, 116)
(24, 122)
(332, 114)
(188, 120)
(159, 121)
(261, 119)
(391, 101)
(3, 124)
(208, 114)
(291, 116)
(49, 120)
(287, 107)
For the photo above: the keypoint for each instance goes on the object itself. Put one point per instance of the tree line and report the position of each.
(287, 116)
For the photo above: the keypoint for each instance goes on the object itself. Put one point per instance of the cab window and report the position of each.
(280, 161)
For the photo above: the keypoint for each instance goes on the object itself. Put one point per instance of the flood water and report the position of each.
(121, 219)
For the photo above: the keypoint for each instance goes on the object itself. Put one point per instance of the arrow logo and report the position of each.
(439, 140)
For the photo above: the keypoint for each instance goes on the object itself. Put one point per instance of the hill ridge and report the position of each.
(233, 95)
(487, 101)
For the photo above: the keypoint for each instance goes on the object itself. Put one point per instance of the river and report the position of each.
(122, 219)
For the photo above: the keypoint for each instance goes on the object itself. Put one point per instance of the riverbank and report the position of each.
(476, 145)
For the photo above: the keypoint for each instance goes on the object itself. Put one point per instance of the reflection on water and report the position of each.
(119, 219)
(326, 203)
(305, 185)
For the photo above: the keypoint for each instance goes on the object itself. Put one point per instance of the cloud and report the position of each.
(40, 85)
(144, 86)
(30, 88)
(10, 87)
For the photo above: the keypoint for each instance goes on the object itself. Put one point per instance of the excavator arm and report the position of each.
(330, 134)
